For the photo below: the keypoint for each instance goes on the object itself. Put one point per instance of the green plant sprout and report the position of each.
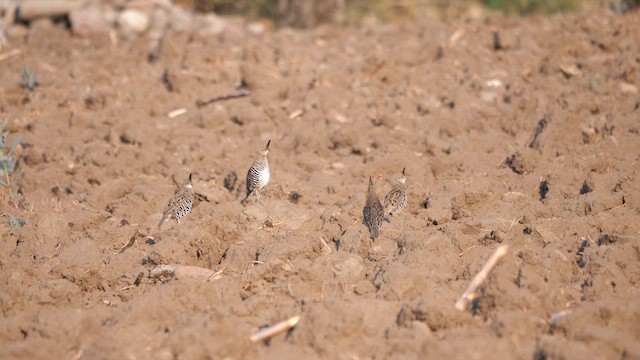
(14, 222)
(29, 79)
(8, 161)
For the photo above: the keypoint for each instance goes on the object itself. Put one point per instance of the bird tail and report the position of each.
(375, 232)
(164, 217)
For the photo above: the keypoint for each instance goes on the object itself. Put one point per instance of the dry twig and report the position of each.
(325, 247)
(235, 95)
(216, 275)
(467, 297)
(177, 112)
(466, 251)
(276, 329)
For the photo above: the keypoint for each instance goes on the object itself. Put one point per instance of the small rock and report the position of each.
(210, 24)
(590, 135)
(133, 22)
(493, 83)
(256, 28)
(377, 253)
(88, 21)
(162, 271)
(570, 69)
(627, 88)
(431, 102)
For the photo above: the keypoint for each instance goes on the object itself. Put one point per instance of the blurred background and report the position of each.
(309, 13)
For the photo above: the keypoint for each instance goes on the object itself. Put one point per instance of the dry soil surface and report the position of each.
(532, 142)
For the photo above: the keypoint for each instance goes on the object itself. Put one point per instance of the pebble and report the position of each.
(133, 22)
(627, 88)
(376, 253)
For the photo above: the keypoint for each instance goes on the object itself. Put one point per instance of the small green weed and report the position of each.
(29, 79)
(8, 161)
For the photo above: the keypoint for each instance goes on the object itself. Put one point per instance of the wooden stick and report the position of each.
(467, 297)
(469, 249)
(325, 247)
(276, 329)
(177, 112)
(238, 94)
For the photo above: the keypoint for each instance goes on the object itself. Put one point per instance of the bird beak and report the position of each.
(190, 176)
(268, 143)
(403, 171)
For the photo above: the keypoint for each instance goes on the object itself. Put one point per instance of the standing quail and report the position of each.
(180, 204)
(396, 199)
(373, 212)
(258, 174)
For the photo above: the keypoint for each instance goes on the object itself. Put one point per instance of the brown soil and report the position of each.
(99, 152)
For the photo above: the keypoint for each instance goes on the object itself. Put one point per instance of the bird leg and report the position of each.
(244, 201)
(258, 197)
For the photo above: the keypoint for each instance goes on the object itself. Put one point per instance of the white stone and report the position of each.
(627, 88)
(133, 22)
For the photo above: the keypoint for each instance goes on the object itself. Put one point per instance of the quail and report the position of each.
(180, 204)
(396, 200)
(258, 174)
(373, 212)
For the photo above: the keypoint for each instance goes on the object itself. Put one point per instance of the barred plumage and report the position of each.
(180, 204)
(258, 175)
(373, 212)
(396, 200)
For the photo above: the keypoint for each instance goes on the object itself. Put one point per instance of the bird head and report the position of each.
(189, 183)
(402, 178)
(265, 150)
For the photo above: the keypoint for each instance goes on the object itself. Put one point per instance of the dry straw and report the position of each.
(467, 297)
(274, 330)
